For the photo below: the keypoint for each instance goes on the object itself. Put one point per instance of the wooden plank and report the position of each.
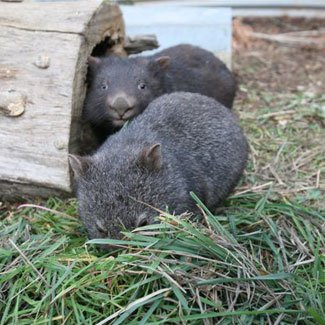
(34, 145)
(63, 17)
(43, 66)
(139, 43)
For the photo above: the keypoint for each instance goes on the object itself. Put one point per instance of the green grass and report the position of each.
(257, 261)
(286, 134)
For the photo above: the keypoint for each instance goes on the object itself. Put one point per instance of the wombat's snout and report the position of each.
(121, 109)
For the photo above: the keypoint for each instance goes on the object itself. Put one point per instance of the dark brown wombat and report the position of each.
(121, 88)
(182, 142)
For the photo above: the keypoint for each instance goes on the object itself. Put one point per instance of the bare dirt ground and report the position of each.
(281, 103)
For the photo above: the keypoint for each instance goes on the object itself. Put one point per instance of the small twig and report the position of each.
(272, 302)
(275, 174)
(288, 112)
(254, 188)
(296, 190)
(288, 40)
(304, 160)
(28, 262)
(140, 43)
(301, 33)
(45, 209)
(254, 153)
(279, 319)
(276, 159)
(318, 178)
(197, 296)
(311, 260)
(237, 293)
(205, 217)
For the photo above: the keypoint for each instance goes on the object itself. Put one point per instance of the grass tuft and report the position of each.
(259, 261)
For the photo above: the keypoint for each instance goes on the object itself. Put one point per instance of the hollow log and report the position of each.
(43, 66)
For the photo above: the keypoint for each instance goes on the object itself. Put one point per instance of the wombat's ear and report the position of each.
(163, 61)
(93, 61)
(79, 165)
(151, 157)
(142, 220)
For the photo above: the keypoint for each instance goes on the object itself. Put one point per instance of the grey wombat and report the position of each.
(182, 142)
(121, 88)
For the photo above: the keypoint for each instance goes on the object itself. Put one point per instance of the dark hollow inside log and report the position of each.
(103, 47)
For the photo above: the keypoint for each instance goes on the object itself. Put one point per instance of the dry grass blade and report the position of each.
(134, 304)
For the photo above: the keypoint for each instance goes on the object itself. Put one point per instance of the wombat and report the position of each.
(121, 88)
(182, 142)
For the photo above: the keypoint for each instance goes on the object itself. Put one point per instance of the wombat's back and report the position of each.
(199, 137)
(197, 70)
(184, 116)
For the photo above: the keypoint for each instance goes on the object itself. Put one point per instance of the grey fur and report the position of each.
(115, 92)
(182, 142)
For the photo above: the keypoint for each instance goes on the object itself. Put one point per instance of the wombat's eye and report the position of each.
(104, 86)
(141, 86)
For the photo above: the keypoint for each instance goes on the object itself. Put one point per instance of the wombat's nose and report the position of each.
(121, 105)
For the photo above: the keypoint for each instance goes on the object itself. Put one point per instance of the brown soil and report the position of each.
(279, 68)
(281, 92)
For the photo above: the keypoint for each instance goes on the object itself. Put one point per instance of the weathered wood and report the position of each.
(43, 55)
(140, 43)
(12, 103)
